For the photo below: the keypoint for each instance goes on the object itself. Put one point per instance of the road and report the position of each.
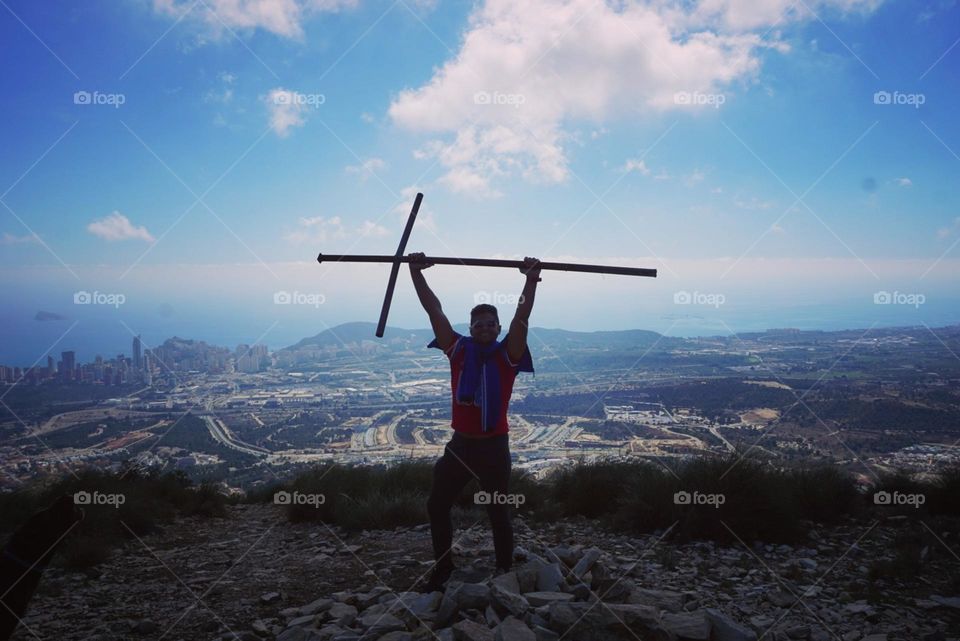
(221, 433)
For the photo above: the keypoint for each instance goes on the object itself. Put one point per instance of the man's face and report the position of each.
(485, 328)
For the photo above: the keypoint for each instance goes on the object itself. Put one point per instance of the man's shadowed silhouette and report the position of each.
(482, 373)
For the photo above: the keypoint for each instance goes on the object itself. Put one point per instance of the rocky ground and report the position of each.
(255, 576)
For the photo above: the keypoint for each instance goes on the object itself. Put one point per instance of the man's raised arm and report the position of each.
(441, 325)
(517, 340)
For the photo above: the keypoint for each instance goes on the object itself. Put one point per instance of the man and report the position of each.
(482, 374)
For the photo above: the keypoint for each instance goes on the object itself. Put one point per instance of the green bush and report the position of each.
(945, 493)
(365, 497)
(383, 511)
(824, 494)
(149, 499)
(591, 489)
(759, 502)
(358, 497)
(903, 484)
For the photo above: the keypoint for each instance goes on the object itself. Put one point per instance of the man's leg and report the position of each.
(449, 477)
(494, 475)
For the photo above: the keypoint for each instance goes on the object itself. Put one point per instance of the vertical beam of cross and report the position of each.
(388, 298)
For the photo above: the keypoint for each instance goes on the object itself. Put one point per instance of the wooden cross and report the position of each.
(399, 257)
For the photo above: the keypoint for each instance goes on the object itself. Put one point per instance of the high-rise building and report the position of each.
(137, 354)
(69, 365)
(148, 368)
(51, 366)
(252, 359)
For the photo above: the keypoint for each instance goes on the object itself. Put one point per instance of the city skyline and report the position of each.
(120, 369)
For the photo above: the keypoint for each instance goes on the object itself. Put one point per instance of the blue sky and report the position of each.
(793, 160)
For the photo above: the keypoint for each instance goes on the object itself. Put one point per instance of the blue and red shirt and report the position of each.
(467, 418)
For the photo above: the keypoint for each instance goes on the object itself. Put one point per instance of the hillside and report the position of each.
(255, 576)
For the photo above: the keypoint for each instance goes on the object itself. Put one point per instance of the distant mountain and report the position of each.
(186, 344)
(602, 339)
(357, 332)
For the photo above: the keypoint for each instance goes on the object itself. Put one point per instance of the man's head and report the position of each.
(484, 323)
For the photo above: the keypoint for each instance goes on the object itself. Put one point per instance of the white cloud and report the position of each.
(904, 182)
(636, 165)
(316, 229)
(741, 15)
(223, 93)
(319, 229)
(425, 217)
(370, 228)
(506, 101)
(367, 168)
(464, 180)
(947, 232)
(424, 5)
(753, 203)
(526, 69)
(11, 239)
(116, 226)
(281, 17)
(694, 178)
(286, 110)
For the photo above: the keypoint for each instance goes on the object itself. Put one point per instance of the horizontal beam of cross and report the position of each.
(488, 262)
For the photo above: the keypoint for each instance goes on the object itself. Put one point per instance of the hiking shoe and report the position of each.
(438, 577)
